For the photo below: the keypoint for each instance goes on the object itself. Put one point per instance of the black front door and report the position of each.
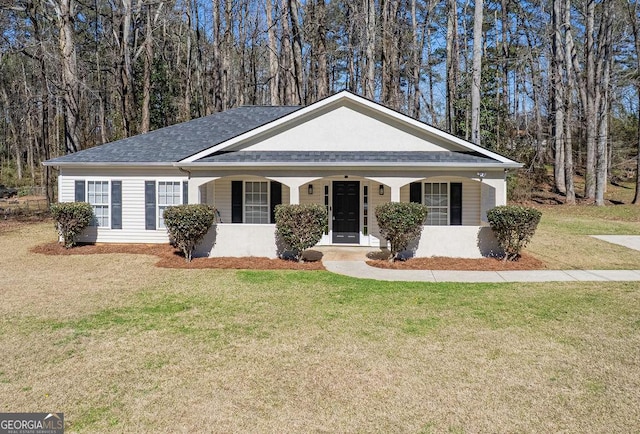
(346, 212)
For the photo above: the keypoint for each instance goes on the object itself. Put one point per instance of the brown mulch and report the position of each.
(172, 258)
(525, 262)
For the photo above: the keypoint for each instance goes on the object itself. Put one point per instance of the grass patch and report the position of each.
(122, 346)
(563, 238)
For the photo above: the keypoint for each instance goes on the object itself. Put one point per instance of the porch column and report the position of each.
(294, 184)
(194, 187)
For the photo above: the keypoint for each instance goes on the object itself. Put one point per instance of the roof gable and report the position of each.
(346, 122)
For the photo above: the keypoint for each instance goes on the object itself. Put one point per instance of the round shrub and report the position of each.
(514, 227)
(187, 225)
(400, 223)
(71, 219)
(300, 226)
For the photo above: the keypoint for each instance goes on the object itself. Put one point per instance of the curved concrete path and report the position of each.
(361, 270)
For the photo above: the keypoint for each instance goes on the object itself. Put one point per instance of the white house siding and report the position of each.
(353, 128)
(221, 194)
(470, 197)
(133, 202)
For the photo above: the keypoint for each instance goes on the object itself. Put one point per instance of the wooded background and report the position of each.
(549, 82)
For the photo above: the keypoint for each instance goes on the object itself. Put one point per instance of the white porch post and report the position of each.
(194, 187)
(294, 184)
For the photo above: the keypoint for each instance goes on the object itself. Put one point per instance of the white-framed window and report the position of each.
(436, 198)
(98, 197)
(169, 194)
(256, 202)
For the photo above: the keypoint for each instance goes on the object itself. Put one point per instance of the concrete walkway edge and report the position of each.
(360, 270)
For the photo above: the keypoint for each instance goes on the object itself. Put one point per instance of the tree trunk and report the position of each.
(476, 78)
(65, 14)
(369, 85)
(591, 127)
(322, 81)
(273, 58)
(416, 65)
(296, 44)
(557, 89)
(217, 61)
(453, 56)
(633, 12)
(145, 121)
(570, 197)
(288, 91)
(602, 101)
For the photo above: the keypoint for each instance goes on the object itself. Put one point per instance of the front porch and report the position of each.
(245, 204)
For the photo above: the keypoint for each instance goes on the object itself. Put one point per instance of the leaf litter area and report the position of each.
(169, 257)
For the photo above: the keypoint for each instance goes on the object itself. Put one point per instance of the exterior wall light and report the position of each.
(381, 190)
(481, 175)
(310, 189)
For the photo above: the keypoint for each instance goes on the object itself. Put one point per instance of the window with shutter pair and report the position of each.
(158, 195)
(443, 200)
(105, 198)
(254, 201)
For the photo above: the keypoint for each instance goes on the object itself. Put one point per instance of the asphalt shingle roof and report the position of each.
(389, 157)
(182, 140)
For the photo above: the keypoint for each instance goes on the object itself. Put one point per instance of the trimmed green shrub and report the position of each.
(187, 225)
(400, 223)
(71, 219)
(514, 227)
(300, 226)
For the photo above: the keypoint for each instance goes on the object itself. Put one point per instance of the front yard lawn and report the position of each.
(120, 345)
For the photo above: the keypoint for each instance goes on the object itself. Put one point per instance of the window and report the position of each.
(98, 197)
(436, 197)
(168, 195)
(256, 202)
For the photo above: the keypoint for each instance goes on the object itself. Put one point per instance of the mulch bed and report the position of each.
(525, 262)
(172, 258)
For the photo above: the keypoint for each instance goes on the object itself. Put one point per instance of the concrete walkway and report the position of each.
(629, 241)
(361, 270)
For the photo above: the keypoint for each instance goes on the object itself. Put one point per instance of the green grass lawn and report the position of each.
(562, 240)
(119, 345)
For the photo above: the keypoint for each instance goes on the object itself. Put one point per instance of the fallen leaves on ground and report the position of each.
(172, 258)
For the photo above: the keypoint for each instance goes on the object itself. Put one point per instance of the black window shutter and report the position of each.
(150, 205)
(236, 201)
(415, 192)
(456, 203)
(276, 198)
(185, 192)
(80, 195)
(116, 204)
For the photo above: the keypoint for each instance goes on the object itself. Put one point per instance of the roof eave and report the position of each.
(355, 165)
(154, 164)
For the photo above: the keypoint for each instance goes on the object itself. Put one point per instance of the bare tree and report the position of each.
(633, 14)
(557, 89)
(570, 196)
(274, 81)
(453, 56)
(65, 14)
(476, 76)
